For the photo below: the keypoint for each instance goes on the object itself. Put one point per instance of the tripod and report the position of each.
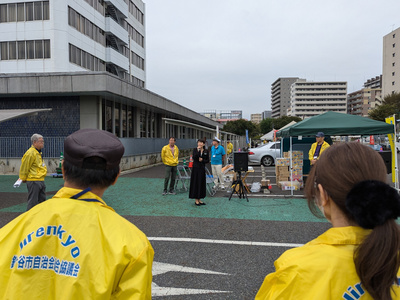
(241, 189)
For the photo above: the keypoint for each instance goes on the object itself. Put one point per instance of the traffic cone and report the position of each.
(191, 161)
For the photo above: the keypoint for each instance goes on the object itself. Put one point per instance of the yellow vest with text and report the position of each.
(321, 269)
(65, 248)
(32, 166)
(167, 157)
(324, 146)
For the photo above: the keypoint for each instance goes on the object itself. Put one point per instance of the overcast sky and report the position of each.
(225, 54)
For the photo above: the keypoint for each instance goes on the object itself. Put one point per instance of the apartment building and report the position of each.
(280, 96)
(309, 99)
(256, 118)
(391, 63)
(361, 102)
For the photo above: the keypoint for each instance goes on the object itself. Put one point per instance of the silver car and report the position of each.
(265, 154)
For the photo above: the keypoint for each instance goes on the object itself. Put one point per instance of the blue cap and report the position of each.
(320, 134)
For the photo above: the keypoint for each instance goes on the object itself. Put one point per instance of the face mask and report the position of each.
(321, 208)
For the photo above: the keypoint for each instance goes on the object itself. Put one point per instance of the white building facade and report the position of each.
(391, 63)
(309, 99)
(74, 36)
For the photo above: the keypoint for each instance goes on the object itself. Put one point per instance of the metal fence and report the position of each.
(13, 147)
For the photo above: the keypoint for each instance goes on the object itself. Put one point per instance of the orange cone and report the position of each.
(191, 161)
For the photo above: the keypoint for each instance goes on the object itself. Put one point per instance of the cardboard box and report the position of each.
(289, 185)
(280, 162)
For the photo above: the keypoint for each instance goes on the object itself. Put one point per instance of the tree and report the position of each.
(239, 127)
(268, 124)
(390, 106)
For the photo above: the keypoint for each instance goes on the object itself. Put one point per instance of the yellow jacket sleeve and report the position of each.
(26, 163)
(311, 152)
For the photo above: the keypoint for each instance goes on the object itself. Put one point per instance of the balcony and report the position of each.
(115, 29)
(116, 58)
(120, 5)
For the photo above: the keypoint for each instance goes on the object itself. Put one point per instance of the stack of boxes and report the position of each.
(285, 179)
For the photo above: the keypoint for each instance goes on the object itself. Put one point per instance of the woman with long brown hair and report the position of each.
(359, 257)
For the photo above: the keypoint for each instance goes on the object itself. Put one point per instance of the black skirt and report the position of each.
(198, 183)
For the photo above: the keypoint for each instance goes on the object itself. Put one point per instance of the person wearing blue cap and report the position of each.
(317, 148)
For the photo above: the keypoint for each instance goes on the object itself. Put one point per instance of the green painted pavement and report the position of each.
(142, 197)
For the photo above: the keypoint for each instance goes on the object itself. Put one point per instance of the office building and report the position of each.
(309, 98)
(85, 62)
(266, 114)
(280, 96)
(391, 63)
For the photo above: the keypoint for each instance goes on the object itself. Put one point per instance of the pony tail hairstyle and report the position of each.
(377, 260)
(375, 205)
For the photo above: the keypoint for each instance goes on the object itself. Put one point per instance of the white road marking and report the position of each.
(227, 242)
(161, 268)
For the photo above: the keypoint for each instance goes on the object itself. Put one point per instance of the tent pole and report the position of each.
(291, 167)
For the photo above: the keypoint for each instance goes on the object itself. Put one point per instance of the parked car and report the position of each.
(265, 154)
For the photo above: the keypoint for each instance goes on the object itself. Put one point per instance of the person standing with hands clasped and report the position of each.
(217, 158)
(170, 158)
(359, 257)
(33, 170)
(197, 189)
(317, 148)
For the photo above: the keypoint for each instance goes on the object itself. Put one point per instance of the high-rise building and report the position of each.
(309, 99)
(391, 63)
(361, 102)
(280, 96)
(73, 36)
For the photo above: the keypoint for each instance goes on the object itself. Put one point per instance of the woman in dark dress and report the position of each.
(198, 178)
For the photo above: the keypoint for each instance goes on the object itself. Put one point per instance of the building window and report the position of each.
(85, 60)
(21, 12)
(38, 49)
(394, 35)
(394, 54)
(393, 64)
(4, 50)
(86, 27)
(393, 82)
(393, 73)
(25, 11)
(30, 51)
(29, 11)
(21, 49)
(12, 12)
(12, 50)
(137, 61)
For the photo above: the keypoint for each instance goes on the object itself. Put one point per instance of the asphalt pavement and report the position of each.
(222, 250)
